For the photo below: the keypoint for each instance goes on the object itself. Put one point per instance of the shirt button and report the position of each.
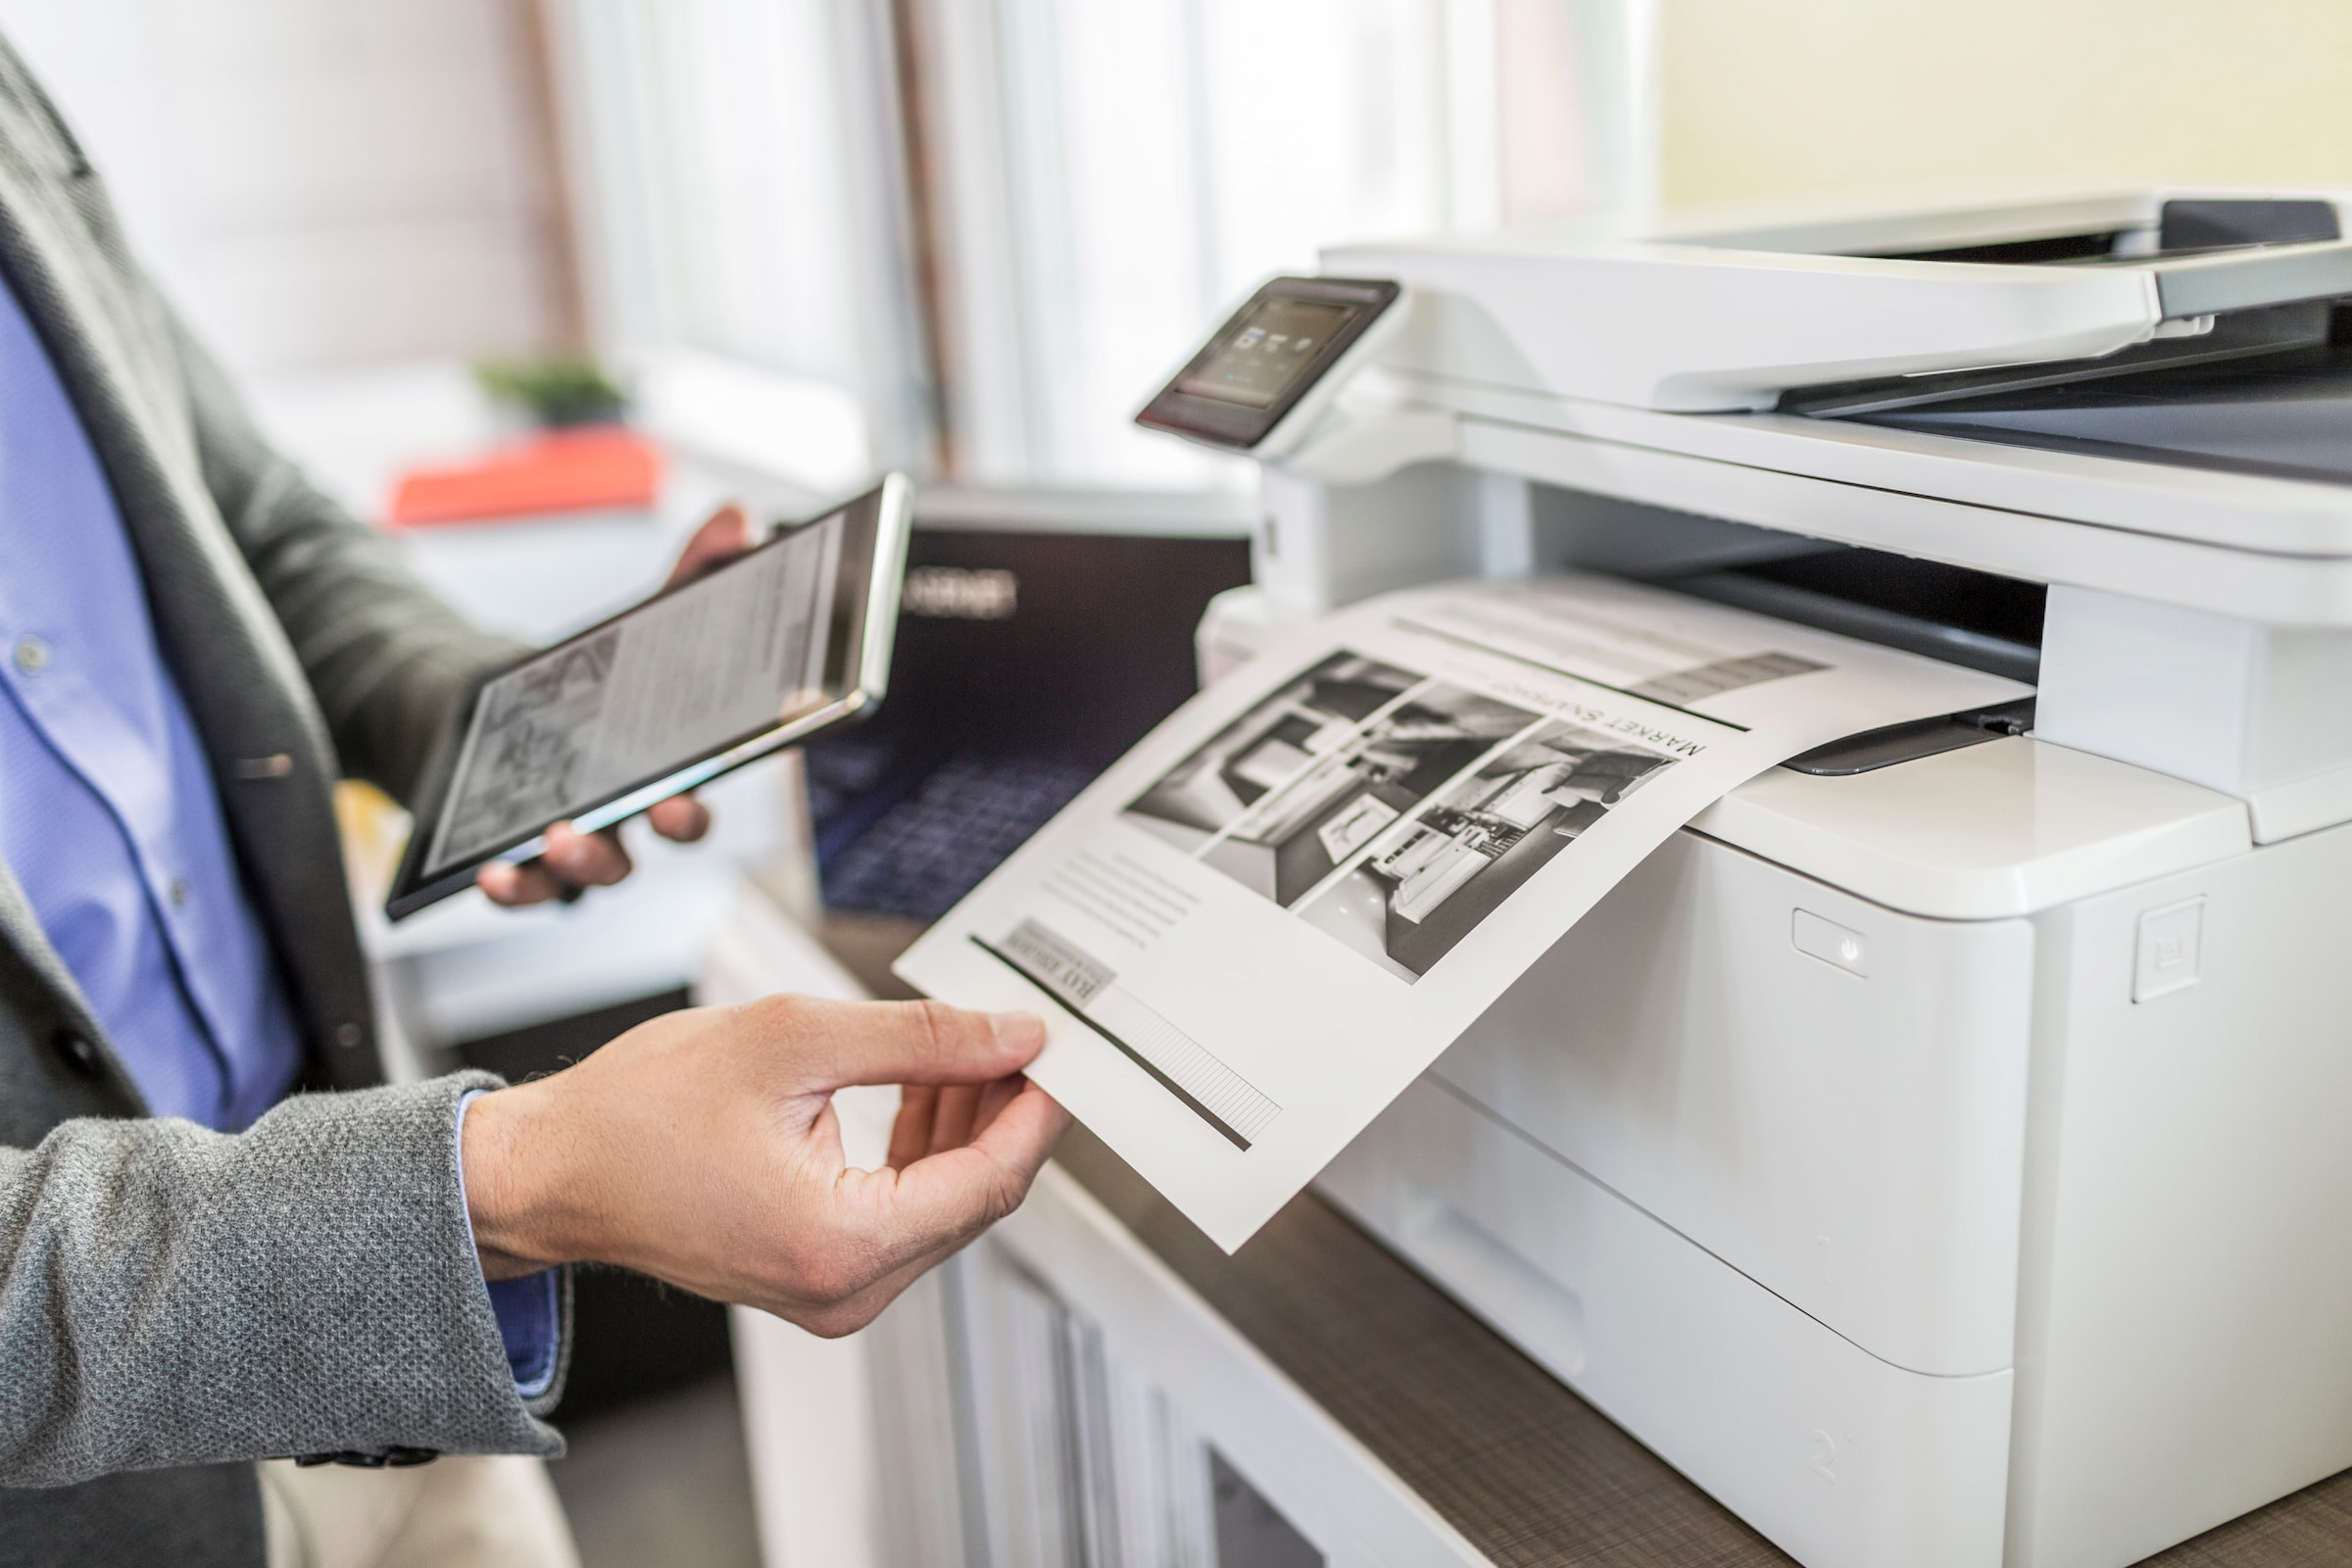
(79, 1053)
(32, 654)
(177, 892)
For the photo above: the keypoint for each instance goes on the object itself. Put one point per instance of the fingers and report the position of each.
(952, 1118)
(570, 862)
(835, 1043)
(910, 1131)
(584, 860)
(573, 860)
(516, 885)
(726, 534)
(886, 1227)
(906, 1221)
(947, 1197)
(934, 1118)
(681, 818)
(994, 1098)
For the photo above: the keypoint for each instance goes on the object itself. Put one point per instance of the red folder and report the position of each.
(604, 467)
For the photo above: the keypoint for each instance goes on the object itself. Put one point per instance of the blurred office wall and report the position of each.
(1762, 99)
(1001, 222)
(321, 182)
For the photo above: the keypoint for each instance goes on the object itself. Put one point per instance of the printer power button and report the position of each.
(1829, 942)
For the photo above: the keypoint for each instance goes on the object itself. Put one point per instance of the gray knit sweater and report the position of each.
(175, 1296)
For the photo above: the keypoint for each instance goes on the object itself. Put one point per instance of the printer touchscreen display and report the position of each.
(1267, 359)
(1269, 352)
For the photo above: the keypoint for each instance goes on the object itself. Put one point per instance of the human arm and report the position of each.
(703, 1149)
(171, 1296)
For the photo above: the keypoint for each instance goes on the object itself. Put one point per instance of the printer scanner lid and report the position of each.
(1727, 312)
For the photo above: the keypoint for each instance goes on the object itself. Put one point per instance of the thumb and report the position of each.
(724, 535)
(838, 1044)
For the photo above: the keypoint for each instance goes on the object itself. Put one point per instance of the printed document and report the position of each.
(1258, 927)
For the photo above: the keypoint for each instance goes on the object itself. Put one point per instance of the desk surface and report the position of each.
(1528, 1472)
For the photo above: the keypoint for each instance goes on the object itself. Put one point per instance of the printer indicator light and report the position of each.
(1829, 942)
(2172, 941)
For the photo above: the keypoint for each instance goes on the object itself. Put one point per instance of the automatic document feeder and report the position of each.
(1939, 1151)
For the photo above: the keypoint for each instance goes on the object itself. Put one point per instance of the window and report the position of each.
(1001, 223)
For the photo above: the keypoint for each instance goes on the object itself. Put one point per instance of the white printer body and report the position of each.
(1944, 1161)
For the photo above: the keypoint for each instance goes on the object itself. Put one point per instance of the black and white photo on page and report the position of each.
(1390, 810)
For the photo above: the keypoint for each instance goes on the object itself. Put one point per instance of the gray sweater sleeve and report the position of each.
(171, 1296)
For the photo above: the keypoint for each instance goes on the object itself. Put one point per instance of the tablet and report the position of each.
(787, 640)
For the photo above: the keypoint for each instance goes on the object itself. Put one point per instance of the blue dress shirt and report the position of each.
(108, 814)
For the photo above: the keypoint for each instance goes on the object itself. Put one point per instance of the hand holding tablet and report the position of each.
(726, 664)
(574, 862)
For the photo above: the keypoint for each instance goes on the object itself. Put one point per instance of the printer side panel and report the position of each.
(2184, 1340)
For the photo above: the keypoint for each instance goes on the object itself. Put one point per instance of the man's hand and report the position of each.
(702, 1148)
(573, 860)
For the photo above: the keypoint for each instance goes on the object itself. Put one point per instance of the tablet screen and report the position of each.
(719, 658)
(784, 642)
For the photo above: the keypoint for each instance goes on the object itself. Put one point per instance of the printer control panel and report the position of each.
(1268, 361)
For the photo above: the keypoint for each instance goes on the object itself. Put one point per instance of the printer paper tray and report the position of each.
(1843, 1459)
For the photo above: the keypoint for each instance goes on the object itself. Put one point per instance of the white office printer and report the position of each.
(1941, 1152)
